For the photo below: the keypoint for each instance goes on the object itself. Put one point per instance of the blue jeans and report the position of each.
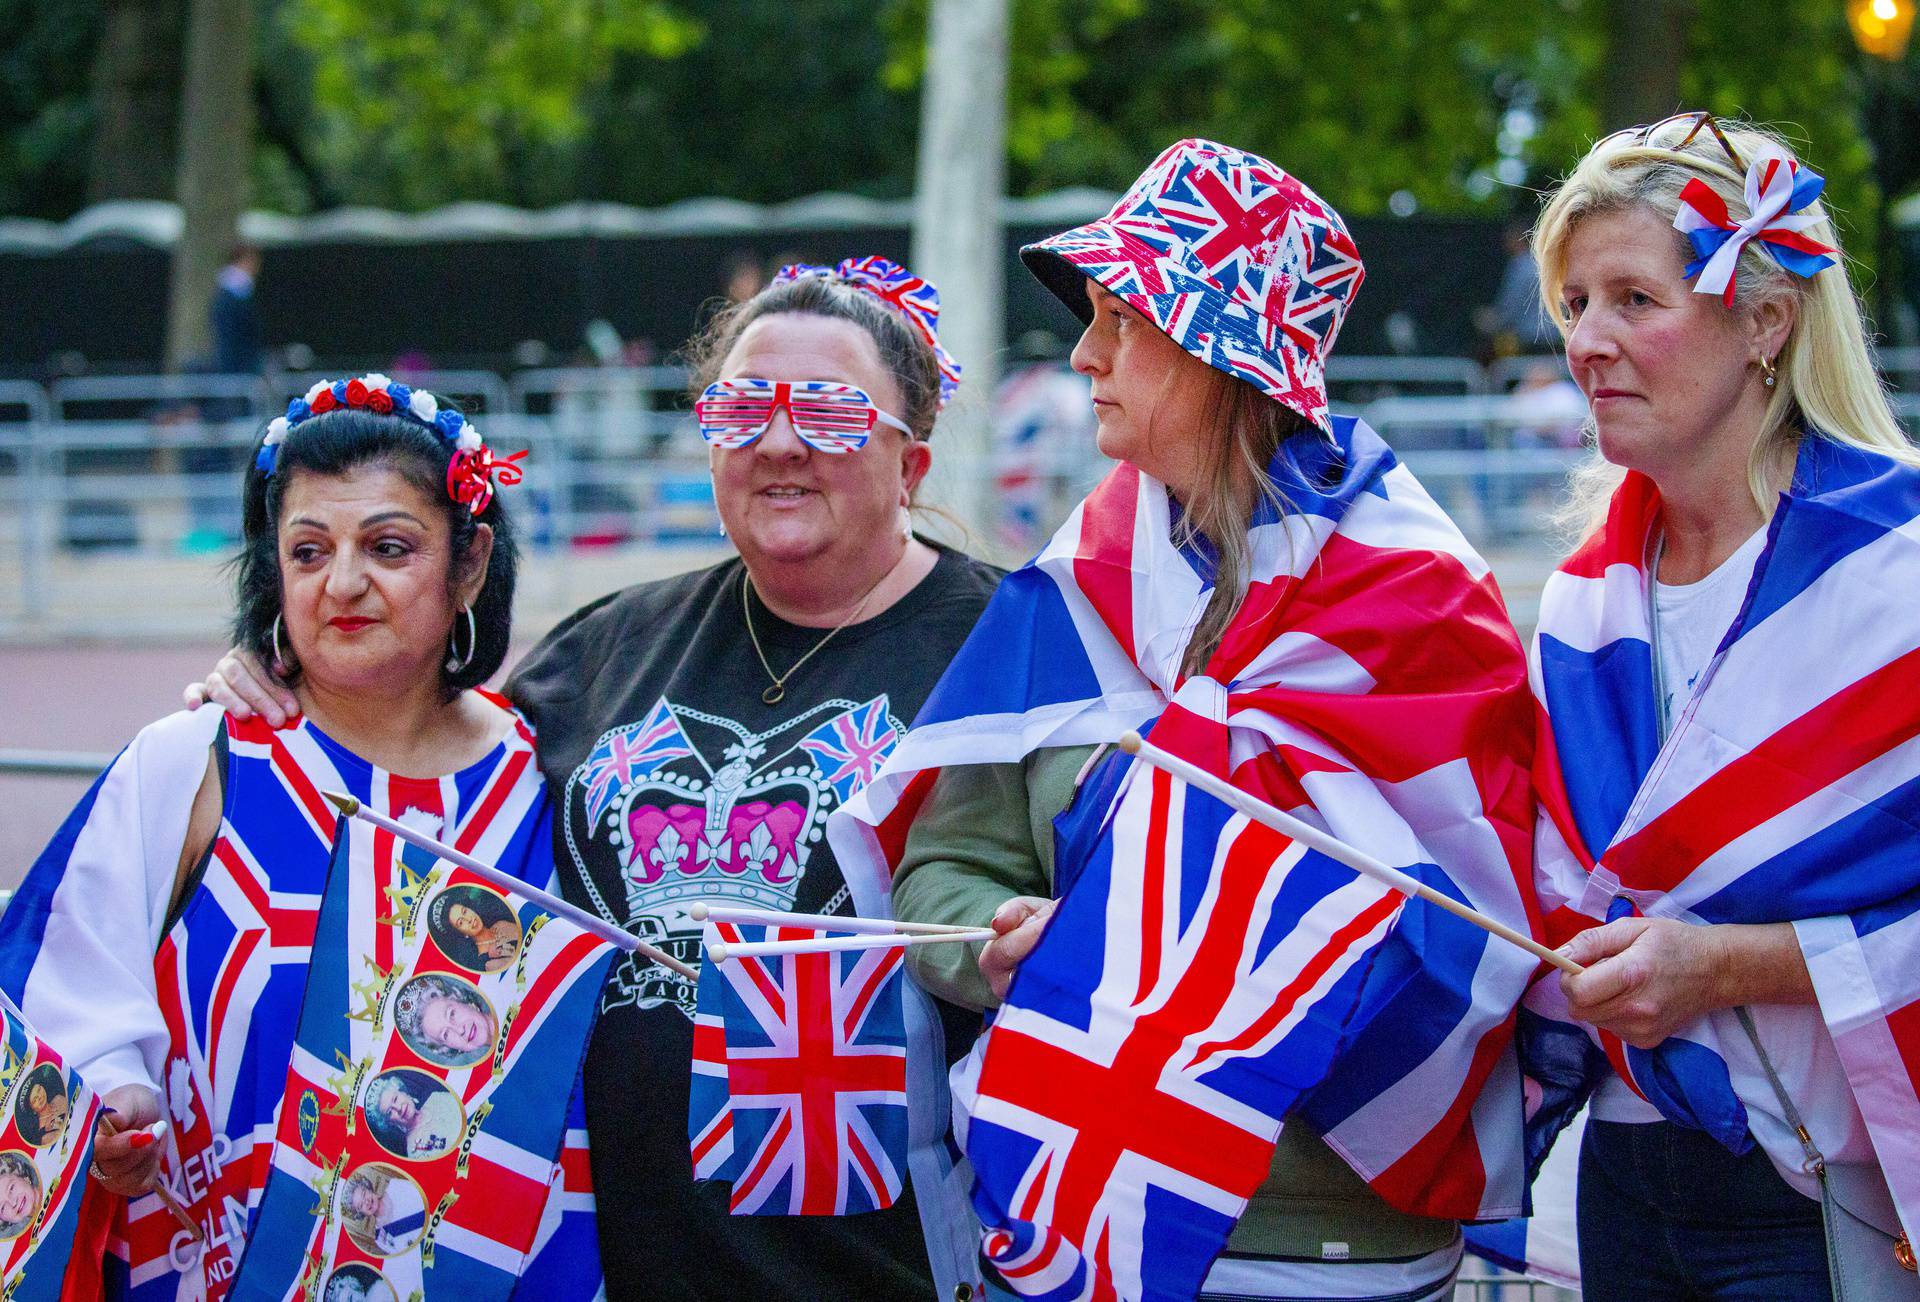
(1665, 1212)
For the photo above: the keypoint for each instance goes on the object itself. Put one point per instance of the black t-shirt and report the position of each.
(673, 781)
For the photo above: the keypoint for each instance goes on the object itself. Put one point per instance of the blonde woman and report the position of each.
(1260, 582)
(1727, 838)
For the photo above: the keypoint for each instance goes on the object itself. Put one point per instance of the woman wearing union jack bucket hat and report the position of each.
(1262, 584)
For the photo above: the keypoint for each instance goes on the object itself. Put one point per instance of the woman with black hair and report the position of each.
(163, 938)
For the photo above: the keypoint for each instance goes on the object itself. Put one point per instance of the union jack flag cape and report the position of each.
(46, 1144)
(1788, 790)
(421, 1130)
(800, 1077)
(1202, 975)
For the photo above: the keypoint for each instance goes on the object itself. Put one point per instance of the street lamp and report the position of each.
(1881, 28)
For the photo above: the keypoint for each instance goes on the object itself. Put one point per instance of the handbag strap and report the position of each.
(1816, 1165)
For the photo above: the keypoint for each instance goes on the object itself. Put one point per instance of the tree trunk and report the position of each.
(958, 239)
(216, 154)
(136, 96)
(1647, 46)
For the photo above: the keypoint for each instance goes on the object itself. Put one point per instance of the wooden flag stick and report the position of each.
(1334, 848)
(829, 944)
(553, 904)
(180, 1213)
(702, 911)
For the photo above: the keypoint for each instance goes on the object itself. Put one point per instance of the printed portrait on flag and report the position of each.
(45, 1147)
(688, 805)
(357, 1283)
(426, 1103)
(19, 1193)
(475, 927)
(41, 1109)
(383, 1210)
(412, 1115)
(445, 1019)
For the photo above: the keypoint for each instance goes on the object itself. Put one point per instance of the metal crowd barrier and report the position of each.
(52, 763)
(98, 469)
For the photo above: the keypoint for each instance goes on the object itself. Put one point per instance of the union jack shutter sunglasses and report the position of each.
(828, 416)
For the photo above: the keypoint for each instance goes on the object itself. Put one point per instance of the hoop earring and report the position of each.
(279, 656)
(1766, 367)
(455, 661)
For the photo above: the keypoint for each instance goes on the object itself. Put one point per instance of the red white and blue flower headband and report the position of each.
(912, 296)
(470, 474)
(1779, 190)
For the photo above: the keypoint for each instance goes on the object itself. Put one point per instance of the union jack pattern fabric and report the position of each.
(914, 297)
(850, 748)
(626, 755)
(428, 1095)
(829, 417)
(46, 1143)
(1787, 791)
(800, 1078)
(1201, 970)
(1235, 260)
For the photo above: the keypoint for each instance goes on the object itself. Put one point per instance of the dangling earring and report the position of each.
(455, 661)
(279, 656)
(1766, 366)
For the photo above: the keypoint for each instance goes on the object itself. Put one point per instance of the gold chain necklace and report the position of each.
(774, 694)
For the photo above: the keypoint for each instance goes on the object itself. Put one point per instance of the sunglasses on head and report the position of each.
(1696, 121)
(828, 416)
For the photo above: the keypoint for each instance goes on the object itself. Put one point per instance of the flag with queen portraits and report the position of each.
(419, 1149)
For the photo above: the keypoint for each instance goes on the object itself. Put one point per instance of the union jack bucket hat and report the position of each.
(1237, 262)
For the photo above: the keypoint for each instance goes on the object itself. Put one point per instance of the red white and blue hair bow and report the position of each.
(1779, 190)
(914, 297)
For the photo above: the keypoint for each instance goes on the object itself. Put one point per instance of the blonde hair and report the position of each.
(1826, 381)
(1243, 429)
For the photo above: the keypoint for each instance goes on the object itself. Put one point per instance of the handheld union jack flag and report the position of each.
(851, 747)
(626, 755)
(46, 1143)
(800, 1078)
(422, 1128)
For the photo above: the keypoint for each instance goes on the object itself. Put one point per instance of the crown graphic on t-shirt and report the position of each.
(744, 837)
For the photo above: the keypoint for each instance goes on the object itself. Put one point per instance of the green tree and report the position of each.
(46, 105)
(420, 102)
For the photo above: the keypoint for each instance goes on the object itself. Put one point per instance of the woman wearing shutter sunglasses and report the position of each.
(697, 731)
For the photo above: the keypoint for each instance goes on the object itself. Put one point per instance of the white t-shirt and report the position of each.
(1695, 616)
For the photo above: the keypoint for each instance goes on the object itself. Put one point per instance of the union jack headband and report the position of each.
(1778, 191)
(470, 475)
(912, 296)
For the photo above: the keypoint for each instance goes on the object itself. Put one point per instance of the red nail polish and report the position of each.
(139, 1139)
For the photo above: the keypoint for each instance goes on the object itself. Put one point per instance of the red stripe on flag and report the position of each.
(506, 777)
(1153, 891)
(1856, 725)
(1102, 561)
